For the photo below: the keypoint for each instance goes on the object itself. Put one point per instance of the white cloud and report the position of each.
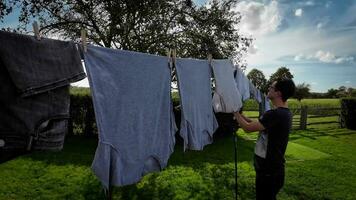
(348, 59)
(309, 3)
(258, 18)
(298, 12)
(325, 57)
(298, 57)
(252, 49)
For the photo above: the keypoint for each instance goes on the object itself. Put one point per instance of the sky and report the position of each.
(315, 39)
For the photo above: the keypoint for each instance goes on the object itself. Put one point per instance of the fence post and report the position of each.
(303, 117)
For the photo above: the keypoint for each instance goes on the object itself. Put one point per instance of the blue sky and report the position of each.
(315, 39)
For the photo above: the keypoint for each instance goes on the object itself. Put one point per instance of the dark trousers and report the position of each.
(268, 184)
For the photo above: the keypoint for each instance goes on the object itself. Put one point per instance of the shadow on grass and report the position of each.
(77, 150)
(315, 133)
(80, 151)
(210, 171)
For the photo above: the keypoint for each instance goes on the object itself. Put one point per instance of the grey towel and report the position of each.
(133, 111)
(227, 97)
(242, 84)
(198, 122)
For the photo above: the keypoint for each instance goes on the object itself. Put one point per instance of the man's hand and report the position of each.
(247, 124)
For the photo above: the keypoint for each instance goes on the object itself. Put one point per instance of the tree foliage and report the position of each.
(5, 9)
(147, 25)
(302, 91)
(281, 73)
(258, 79)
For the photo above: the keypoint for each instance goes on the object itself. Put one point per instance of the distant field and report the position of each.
(249, 104)
(293, 103)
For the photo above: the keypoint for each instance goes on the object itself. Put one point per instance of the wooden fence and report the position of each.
(307, 116)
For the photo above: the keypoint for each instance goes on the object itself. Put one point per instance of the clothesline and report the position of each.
(132, 105)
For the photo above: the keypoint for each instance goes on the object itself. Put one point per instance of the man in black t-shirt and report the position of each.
(274, 126)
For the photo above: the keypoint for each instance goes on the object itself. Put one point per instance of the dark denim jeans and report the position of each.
(34, 93)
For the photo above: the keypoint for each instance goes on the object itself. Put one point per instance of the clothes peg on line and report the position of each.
(36, 30)
(168, 53)
(84, 40)
(174, 54)
(210, 58)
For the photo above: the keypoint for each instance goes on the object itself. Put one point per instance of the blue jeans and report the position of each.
(34, 100)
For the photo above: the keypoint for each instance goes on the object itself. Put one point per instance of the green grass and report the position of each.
(320, 165)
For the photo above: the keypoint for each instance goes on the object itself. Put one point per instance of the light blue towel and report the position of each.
(242, 84)
(227, 97)
(267, 103)
(133, 110)
(253, 91)
(258, 97)
(198, 122)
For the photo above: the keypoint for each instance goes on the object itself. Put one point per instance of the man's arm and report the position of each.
(245, 118)
(248, 126)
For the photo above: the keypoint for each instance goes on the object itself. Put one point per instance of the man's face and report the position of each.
(272, 93)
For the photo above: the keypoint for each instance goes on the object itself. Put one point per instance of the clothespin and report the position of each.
(174, 55)
(168, 52)
(84, 39)
(36, 30)
(210, 58)
(230, 59)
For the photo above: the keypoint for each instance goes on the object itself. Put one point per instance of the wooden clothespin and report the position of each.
(174, 55)
(36, 30)
(84, 39)
(210, 58)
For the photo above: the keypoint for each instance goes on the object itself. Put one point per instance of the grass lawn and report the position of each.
(321, 164)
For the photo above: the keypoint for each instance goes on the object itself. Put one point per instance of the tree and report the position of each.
(331, 93)
(4, 9)
(281, 73)
(302, 91)
(147, 25)
(342, 89)
(353, 93)
(258, 79)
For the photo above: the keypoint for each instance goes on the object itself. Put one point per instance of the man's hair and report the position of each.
(286, 87)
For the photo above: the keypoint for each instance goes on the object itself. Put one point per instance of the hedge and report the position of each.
(82, 121)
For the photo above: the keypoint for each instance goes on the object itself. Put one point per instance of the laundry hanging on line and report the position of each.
(34, 105)
(38, 76)
(227, 97)
(198, 122)
(134, 113)
(242, 83)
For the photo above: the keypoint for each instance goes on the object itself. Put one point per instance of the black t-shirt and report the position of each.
(272, 142)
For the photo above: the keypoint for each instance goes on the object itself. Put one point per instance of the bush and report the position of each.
(82, 121)
(175, 183)
(348, 112)
(82, 117)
